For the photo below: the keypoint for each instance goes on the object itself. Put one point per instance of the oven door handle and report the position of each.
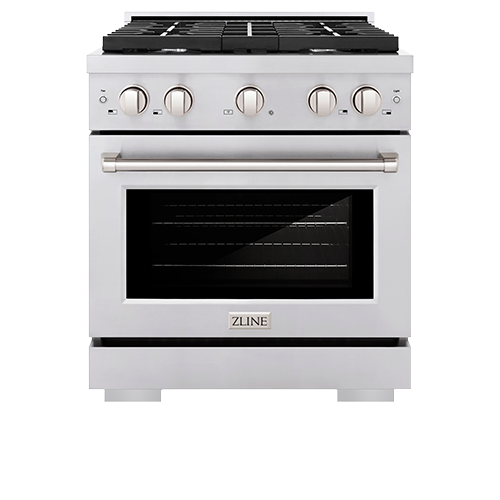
(112, 162)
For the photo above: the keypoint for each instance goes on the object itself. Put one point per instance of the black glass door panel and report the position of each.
(259, 244)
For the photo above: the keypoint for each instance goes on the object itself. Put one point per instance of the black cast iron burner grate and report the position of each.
(250, 35)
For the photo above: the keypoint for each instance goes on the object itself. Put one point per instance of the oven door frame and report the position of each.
(386, 315)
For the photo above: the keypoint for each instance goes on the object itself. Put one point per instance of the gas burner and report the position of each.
(250, 34)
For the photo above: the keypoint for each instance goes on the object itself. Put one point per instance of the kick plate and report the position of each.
(156, 368)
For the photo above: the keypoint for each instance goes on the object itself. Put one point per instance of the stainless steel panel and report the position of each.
(387, 315)
(98, 62)
(285, 108)
(140, 368)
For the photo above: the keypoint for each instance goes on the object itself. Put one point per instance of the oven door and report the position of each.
(249, 236)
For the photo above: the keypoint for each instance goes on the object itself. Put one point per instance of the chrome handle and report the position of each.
(112, 162)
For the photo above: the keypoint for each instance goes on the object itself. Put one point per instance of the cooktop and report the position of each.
(249, 35)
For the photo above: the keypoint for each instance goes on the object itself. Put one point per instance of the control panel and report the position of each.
(237, 102)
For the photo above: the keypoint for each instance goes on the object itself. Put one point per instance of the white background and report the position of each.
(438, 441)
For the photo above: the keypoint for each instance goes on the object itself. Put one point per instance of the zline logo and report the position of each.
(249, 320)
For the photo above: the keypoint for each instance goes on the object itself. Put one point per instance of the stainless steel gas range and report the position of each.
(249, 205)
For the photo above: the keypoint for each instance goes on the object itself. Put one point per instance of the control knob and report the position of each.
(178, 100)
(322, 100)
(366, 100)
(133, 100)
(250, 100)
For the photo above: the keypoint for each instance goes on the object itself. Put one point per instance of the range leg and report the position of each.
(132, 395)
(365, 395)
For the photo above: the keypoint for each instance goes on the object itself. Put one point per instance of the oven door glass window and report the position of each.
(249, 244)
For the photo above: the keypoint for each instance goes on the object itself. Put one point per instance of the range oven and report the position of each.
(271, 253)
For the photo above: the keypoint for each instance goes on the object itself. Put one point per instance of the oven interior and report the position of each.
(249, 244)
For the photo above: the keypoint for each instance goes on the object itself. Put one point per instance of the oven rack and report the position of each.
(252, 244)
(302, 216)
(253, 205)
(255, 224)
(296, 266)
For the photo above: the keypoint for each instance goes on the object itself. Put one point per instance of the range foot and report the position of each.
(365, 395)
(132, 395)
